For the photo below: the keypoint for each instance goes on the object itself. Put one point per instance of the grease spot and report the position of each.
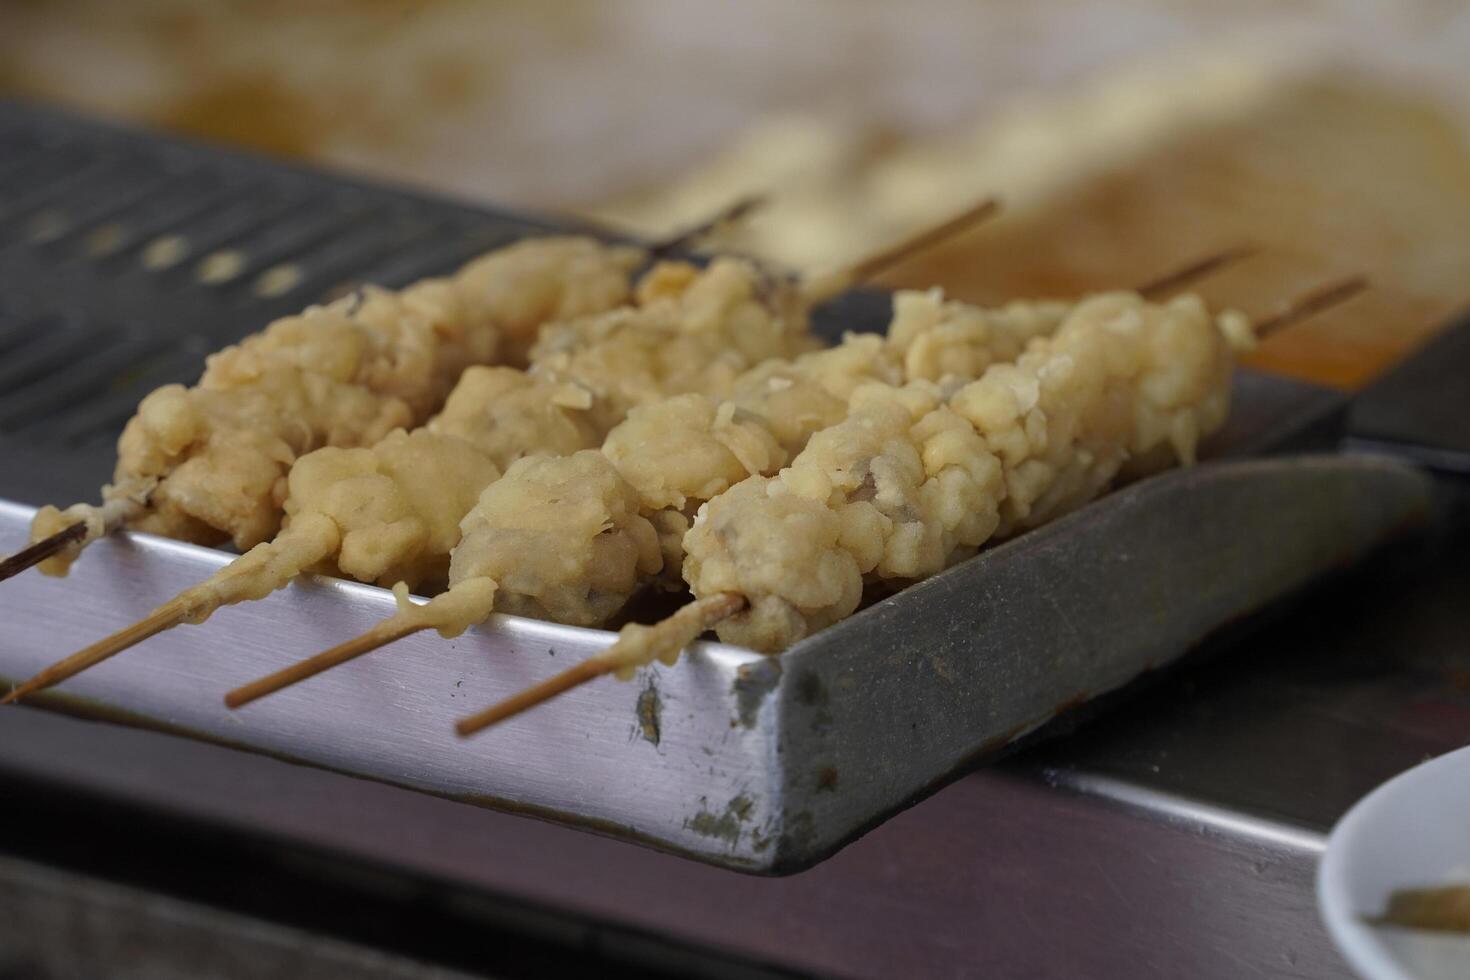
(753, 683)
(723, 826)
(800, 836)
(650, 712)
(812, 693)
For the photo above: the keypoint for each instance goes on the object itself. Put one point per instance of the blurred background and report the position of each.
(1123, 138)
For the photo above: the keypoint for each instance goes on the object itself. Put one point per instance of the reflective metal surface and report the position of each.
(999, 874)
(56, 924)
(750, 762)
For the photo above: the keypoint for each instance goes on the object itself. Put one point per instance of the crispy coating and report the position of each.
(508, 414)
(218, 456)
(397, 505)
(911, 482)
(1122, 379)
(563, 538)
(697, 331)
(935, 339)
(386, 514)
(681, 452)
(537, 281)
(678, 453)
(208, 463)
(802, 395)
(391, 513)
(690, 447)
(535, 532)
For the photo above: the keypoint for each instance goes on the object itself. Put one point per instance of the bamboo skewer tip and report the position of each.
(822, 286)
(164, 617)
(1198, 269)
(1310, 303)
(382, 634)
(39, 551)
(677, 631)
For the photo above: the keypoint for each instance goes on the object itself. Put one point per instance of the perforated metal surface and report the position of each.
(126, 258)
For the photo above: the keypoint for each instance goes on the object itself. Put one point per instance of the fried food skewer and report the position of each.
(391, 513)
(202, 464)
(711, 447)
(663, 641)
(42, 549)
(703, 323)
(129, 502)
(992, 478)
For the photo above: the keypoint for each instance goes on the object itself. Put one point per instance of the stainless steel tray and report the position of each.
(755, 763)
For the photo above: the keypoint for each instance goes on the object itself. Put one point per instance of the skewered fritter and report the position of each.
(625, 513)
(495, 416)
(277, 378)
(391, 513)
(911, 481)
(208, 463)
(916, 478)
(656, 467)
(368, 516)
(691, 330)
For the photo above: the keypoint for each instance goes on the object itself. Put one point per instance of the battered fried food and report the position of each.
(911, 482)
(669, 457)
(208, 463)
(693, 330)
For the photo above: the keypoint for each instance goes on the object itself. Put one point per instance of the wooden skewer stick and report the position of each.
(636, 645)
(1179, 278)
(469, 601)
(687, 237)
(390, 629)
(166, 616)
(42, 550)
(1310, 304)
(111, 515)
(820, 287)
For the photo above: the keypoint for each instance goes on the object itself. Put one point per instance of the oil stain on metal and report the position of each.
(650, 712)
(724, 826)
(752, 683)
(812, 693)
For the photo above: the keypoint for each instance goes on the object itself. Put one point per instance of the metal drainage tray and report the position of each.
(761, 764)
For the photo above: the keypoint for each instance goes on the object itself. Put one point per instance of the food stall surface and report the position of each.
(1176, 834)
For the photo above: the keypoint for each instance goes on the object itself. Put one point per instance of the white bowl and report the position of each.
(1411, 832)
